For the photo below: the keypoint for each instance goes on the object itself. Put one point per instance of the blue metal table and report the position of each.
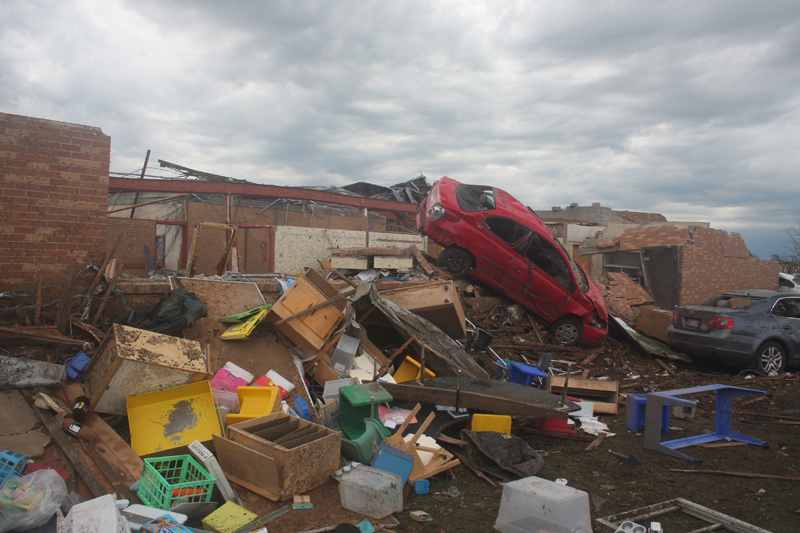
(722, 423)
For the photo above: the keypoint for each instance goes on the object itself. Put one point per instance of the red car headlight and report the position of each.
(436, 212)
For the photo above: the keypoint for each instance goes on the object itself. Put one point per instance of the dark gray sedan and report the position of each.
(755, 328)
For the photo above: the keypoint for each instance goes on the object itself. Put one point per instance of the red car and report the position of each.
(491, 236)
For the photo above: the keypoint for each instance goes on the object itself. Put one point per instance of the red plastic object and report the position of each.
(30, 468)
(554, 425)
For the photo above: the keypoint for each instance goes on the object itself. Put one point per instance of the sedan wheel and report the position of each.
(567, 331)
(770, 357)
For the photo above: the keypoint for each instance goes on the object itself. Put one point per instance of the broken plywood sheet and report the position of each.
(297, 248)
(654, 322)
(444, 355)
(20, 429)
(260, 353)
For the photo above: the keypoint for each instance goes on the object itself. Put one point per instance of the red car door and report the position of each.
(549, 282)
(498, 264)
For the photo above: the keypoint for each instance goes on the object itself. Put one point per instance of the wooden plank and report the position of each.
(89, 477)
(109, 290)
(58, 339)
(123, 453)
(470, 400)
(65, 305)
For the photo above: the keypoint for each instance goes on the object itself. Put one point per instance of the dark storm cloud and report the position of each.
(684, 108)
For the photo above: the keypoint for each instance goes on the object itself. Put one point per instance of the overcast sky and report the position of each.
(685, 108)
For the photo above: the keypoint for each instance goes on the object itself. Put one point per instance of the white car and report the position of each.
(788, 282)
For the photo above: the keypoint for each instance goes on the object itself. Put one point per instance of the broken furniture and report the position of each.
(309, 330)
(394, 460)
(635, 413)
(525, 374)
(133, 361)
(716, 520)
(437, 301)
(278, 456)
(536, 504)
(656, 401)
(603, 393)
(171, 418)
(255, 402)
(360, 422)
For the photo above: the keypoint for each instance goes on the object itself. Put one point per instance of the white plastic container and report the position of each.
(536, 505)
(369, 491)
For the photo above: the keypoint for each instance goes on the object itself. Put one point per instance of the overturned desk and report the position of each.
(722, 423)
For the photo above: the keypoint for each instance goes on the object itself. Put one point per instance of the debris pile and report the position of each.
(225, 407)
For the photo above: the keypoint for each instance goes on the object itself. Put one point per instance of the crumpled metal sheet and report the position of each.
(504, 456)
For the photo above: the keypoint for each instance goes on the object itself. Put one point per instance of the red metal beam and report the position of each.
(253, 189)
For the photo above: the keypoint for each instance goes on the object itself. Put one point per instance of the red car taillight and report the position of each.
(676, 318)
(719, 322)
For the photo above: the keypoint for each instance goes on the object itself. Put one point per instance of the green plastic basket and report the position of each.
(168, 481)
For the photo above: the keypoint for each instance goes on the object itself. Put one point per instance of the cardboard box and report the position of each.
(603, 393)
(278, 456)
(133, 361)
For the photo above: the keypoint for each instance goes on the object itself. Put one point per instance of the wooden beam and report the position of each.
(55, 431)
(65, 305)
(470, 400)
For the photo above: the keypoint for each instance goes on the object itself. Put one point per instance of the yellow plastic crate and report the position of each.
(498, 423)
(171, 418)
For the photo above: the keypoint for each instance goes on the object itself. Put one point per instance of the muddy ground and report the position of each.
(614, 487)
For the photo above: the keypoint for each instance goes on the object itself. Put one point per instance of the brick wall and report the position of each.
(716, 262)
(636, 238)
(53, 198)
